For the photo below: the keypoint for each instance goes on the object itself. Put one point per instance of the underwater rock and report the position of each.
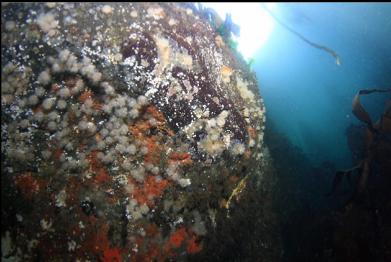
(126, 128)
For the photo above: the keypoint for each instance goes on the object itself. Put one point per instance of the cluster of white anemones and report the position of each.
(68, 62)
(216, 139)
(116, 147)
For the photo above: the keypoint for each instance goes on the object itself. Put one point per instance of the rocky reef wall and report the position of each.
(129, 131)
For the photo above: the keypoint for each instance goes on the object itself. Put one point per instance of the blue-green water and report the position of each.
(307, 95)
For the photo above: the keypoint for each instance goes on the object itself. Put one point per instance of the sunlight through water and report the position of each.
(255, 24)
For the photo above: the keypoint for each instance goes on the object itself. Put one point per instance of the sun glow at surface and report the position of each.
(255, 24)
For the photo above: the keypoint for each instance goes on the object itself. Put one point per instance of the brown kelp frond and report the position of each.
(315, 45)
(359, 111)
(383, 127)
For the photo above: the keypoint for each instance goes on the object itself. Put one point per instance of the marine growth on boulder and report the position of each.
(127, 131)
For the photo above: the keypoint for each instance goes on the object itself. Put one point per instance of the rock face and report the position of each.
(129, 131)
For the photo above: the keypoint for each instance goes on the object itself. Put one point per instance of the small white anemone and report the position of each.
(82, 125)
(109, 90)
(101, 145)
(64, 92)
(52, 125)
(40, 91)
(107, 108)
(138, 174)
(53, 115)
(61, 104)
(39, 116)
(123, 129)
(44, 77)
(95, 77)
(142, 100)
(132, 102)
(63, 55)
(131, 149)
(144, 150)
(33, 100)
(48, 103)
(238, 149)
(155, 170)
(47, 22)
(121, 112)
(104, 132)
(133, 113)
(79, 86)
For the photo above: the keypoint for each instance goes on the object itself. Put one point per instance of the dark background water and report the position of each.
(309, 97)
